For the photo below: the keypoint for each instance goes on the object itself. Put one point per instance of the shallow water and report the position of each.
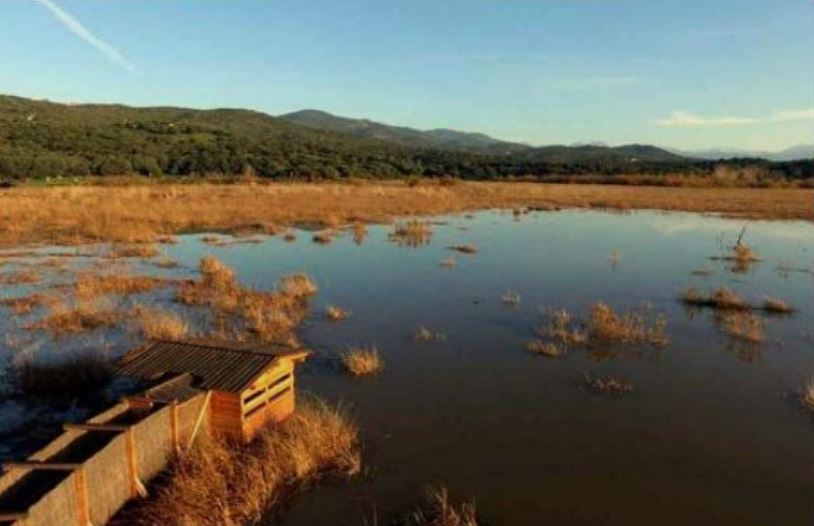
(708, 437)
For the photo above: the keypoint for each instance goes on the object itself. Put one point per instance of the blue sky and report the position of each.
(688, 74)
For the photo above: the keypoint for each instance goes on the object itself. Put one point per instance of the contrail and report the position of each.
(75, 27)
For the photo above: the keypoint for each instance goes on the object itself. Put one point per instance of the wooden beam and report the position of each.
(39, 464)
(95, 427)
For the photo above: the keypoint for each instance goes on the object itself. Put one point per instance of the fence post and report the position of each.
(136, 487)
(176, 440)
(82, 503)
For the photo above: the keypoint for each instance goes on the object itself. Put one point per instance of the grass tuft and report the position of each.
(159, 324)
(777, 306)
(335, 313)
(412, 233)
(424, 334)
(741, 325)
(607, 326)
(440, 511)
(609, 386)
(224, 483)
(464, 249)
(362, 362)
(510, 299)
(550, 349)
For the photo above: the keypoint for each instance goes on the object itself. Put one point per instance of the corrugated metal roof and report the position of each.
(218, 366)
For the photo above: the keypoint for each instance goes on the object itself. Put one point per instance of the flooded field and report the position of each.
(712, 431)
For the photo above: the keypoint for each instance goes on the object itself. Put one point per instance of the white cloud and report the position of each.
(686, 119)
(75, 27)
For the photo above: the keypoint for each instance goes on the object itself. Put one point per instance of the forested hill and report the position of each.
(39, 139)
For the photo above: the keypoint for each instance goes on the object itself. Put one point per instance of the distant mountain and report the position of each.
(441, 138)
(47, 139)
(592, 153)
(794, 153)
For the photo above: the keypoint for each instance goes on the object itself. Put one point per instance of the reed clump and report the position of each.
(777, 306)
(741, 325)
(23, 277)
(562, 329)
(79, 316)
(242, 312)
(323, 238)
(89, 285)
(510, 299)
(426, 335)
(722, 298)
(412, 233)
(605, 325)
(464, 249)
(336, 313)
(26, 304)
(439, 510)
(362, 362)
(159, 324)
(550, 349)
(134, 251)
(225, 483)
(807, 394)
(609, 386)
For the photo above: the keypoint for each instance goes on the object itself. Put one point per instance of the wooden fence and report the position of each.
(87, 473)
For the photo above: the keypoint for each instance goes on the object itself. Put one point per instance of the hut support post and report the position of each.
(199, 421)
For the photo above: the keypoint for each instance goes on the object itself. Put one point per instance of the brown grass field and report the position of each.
(143, 213)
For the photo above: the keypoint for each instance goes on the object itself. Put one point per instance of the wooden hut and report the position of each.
(247, 386)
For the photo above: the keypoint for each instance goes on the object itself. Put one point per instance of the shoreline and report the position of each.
(71, 215)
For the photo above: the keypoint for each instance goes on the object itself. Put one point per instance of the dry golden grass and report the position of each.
(359, 231)
(448, 262)
(78, 374)
(510, 299)
(240, 311)
(605, 326)
(165, 262)
(83, 315)
(741, 325)
(323, 238)
(562, 329)
(807, 395)
(159, 324)
(89, 285)
(550, 349)
(464, 249)
(426, 335)
(609, 386)
(130, 214)
(289, 237)
(335, 313)
(23, 277)
(27, 304)
(722, 298)
(440, 511)
(362, 362)
(227, 484)
(134, 251)
(777, 306)
(411, 233)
